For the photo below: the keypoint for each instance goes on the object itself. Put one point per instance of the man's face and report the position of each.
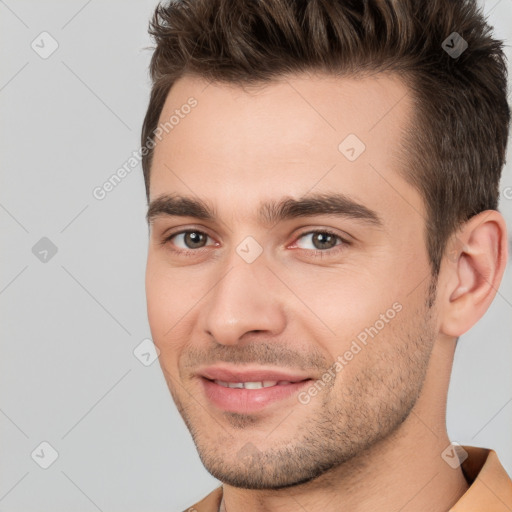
(249, 295)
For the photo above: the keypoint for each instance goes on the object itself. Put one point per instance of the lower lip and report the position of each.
(249, 400)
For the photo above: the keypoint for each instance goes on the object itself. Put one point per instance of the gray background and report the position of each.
(70, 325)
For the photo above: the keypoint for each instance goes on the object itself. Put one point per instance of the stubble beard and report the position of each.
(344, 421)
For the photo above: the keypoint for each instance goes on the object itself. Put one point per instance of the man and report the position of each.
(322, 179)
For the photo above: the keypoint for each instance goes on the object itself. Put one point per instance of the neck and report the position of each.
(403, 472)
(407, 476)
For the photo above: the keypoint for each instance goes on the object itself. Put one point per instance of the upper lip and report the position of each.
(236, 374)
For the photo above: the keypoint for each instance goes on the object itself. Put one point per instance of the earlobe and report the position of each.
(473, 271)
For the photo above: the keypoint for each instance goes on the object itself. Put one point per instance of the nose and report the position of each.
(245, 299)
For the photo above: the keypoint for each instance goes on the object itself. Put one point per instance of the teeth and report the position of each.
(235, 384)
(253, 385)
(249, 385)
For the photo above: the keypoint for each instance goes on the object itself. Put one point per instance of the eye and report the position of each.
(316, 243)
(188, 240)
(320, 241)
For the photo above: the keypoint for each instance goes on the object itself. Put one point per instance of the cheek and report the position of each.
(357, 318)
(385, 351)
(345, 302)
(166, 305)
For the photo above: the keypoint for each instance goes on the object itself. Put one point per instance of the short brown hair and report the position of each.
(456, 150)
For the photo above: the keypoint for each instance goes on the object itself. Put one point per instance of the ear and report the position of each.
(473, 268)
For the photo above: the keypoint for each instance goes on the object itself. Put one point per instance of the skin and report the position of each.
(372, 439)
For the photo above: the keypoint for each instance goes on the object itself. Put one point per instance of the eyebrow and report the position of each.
(269, 212)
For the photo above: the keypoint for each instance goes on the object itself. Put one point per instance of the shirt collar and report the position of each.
(490, 486)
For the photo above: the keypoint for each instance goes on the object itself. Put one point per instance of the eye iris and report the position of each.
(193, 239)
(324, 238)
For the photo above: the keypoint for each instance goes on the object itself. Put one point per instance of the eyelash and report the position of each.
(315, 253)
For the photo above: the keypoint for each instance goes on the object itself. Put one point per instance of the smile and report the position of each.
(252, 385)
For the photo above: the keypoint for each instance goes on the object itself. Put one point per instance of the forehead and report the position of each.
(293, 135)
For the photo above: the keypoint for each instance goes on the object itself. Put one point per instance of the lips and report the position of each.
(253, 384)
(251, 390)
(226, 374)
